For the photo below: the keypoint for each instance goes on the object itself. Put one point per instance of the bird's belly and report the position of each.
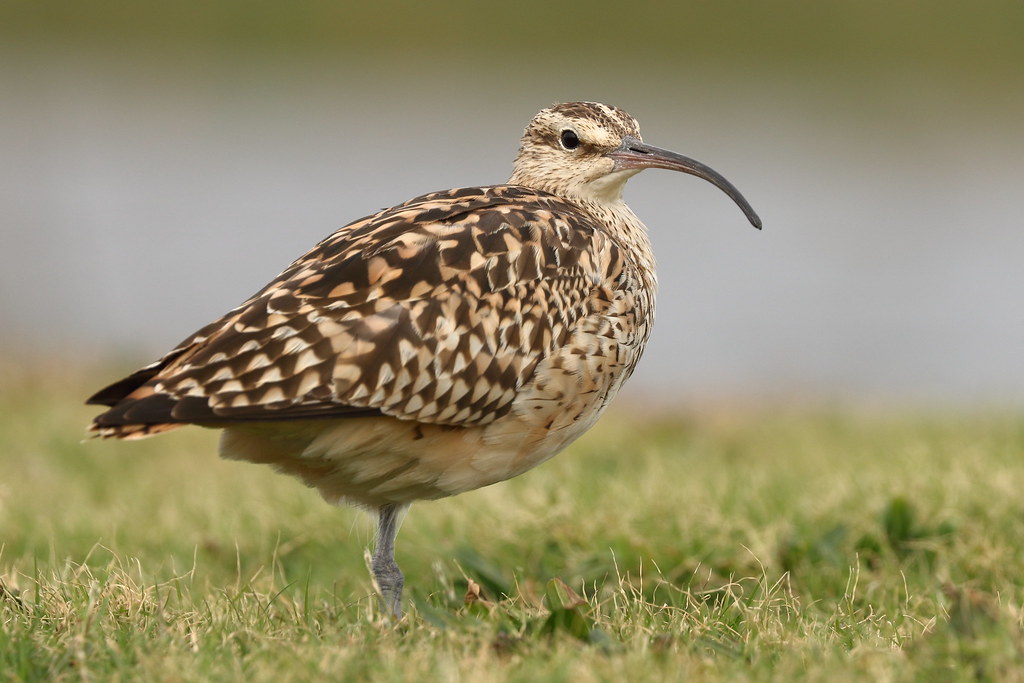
(368, 461)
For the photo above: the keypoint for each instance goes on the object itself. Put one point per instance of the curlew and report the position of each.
(447, 343)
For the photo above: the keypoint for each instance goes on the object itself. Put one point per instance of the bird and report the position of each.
(450, 342)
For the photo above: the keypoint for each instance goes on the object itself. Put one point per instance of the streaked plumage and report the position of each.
(450, 342)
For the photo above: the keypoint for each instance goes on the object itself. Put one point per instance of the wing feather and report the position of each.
(436, 310)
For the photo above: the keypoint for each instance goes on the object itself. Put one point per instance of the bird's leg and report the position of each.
(386, 573)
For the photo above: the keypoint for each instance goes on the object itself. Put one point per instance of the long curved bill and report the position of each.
(633, 153)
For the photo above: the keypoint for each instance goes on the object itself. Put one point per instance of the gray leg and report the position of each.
(386, 573)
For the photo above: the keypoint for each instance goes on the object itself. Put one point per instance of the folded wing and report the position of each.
(437, 310)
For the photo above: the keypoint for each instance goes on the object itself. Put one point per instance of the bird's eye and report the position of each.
(569, 139)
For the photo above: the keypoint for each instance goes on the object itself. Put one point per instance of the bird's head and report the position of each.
(588, 150)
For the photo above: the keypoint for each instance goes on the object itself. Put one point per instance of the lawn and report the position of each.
(720, 544)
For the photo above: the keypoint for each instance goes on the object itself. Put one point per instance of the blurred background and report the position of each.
(162, 161)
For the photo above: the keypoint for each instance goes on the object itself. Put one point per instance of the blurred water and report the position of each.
(137, 203)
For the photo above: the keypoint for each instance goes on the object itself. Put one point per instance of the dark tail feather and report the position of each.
(111, 395)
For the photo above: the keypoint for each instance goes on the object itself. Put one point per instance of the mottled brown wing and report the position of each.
(437, 310)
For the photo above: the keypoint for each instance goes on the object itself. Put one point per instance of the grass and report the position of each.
(725, 546)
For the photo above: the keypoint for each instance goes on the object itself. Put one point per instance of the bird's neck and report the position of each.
(619, 222)
(602, 198)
